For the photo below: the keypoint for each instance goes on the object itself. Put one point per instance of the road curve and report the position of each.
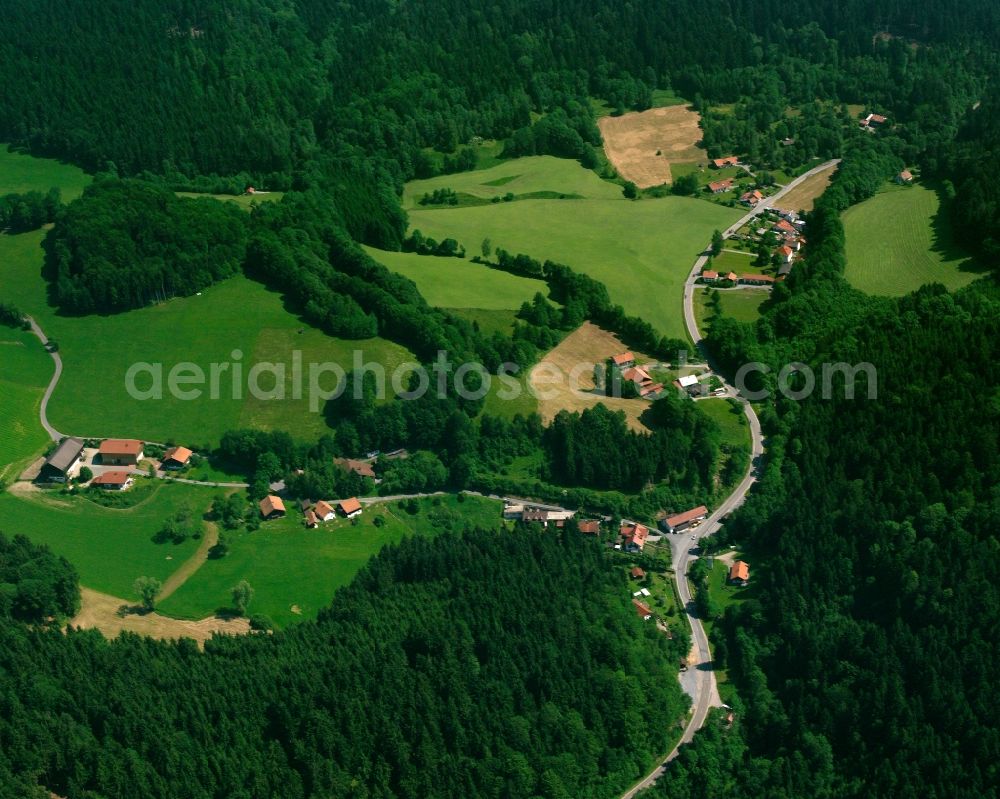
(681, 545)
(54, 434)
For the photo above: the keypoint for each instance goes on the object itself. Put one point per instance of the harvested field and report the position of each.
(103, 612)
(631, 142)
(576, 355)
(802, 197)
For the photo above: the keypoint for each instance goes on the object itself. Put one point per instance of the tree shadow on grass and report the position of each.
(943, 237)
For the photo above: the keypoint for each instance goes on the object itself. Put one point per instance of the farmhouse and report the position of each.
(642, 609)
(687, 382)
(732, 277)
(756, 280)
(729, 160)
(793, 241)
(271, 507)
(362, 468)
(650, 389)
(590, 527)
(62, 463)
(113, 480)
(682, 521)
(636, 374)
(350, 507)
(120, 451)
(176, 458)
(535, 515)
(709, 276)
(873, 121)
(739, 573)
(784, 227)
(634, 537)
(785, 253)
(751, 198)
(311, 520)
(623, 360)
(719, 186)
(637, 573)
(324, 511)
(905, 178)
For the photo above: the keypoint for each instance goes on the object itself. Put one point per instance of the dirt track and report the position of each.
(631, 142)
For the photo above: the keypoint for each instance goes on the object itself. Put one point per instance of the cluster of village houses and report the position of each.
(749, 198)
(645, 385)
(788, 227)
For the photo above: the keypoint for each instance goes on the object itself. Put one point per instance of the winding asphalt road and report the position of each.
(54, 434)
(706, 692)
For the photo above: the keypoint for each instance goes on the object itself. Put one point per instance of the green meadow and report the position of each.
(642, 251)
(246, 201)
(25, 370)
(21, 173)
(295, 571)
(743, 305)
(901, 239)
(732, 421)
(460, 283)
(109, 547)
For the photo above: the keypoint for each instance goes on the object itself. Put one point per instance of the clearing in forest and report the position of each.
(576, 355)
(803, 196)
(632, 142)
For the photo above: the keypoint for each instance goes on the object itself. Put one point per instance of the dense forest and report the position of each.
(442, 670)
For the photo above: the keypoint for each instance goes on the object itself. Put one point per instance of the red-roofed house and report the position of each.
(350, 507)
(739, 573)
(709, 276)
(756, 280)
(176, 458)
(732, 277)
(786, 227)
(120, 451)
(634, 537)
(786, 253)
(272, 507)
(311, 520)
(642, 609)
(650, 389)
(113, 480)
(324, 511)
(636, 374)
(623, 359)
(729, 160)
(905, 177)
(637, 573)
(751, 198)
(362, 468)
(680, 522)
(720, 186)
(590, 527)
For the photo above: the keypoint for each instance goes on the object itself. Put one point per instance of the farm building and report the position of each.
(905, 178)
(739, 573)
(61, 465)
(756, 280)
(120, 451)
(311, 519)
(637, 573)
(271, 507)
(634, 536)
(623, 360)
(642, 609)
(784, 270)
(535, 515)
(785, 253)
(732, 277)
(590, 527)
(709, 276)
(686, 382)
(751, 198)
(680, 522)
(324, 511)
(176, 458)
(784, 227)
(729, 160)
(362, 468)
(720, 186)
(650, 389)
(636, 374)
(873, 121)
(350, 507)
(113, 480)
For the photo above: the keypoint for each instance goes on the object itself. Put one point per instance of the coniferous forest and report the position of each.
(509, 665)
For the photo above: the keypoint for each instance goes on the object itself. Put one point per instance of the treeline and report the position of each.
(12, 316)
(29, 211)
(470, 697)
(36, 586)
(127, 243)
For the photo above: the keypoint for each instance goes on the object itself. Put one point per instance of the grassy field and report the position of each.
(23, 173)
(733, 422)
(803, 196)
(899, 240)
(541, 173)
(237, 314)
(459, 283)
(295, 571)
(642, 251)
(738, 262)
(742, 305)
(25, 370)
(243, 200)
(110, 548)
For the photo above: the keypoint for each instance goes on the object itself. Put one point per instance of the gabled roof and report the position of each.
(756, 278)
(624, 357)
(179, 454)
(687, 380)
(906, 174)
(739, 571)
(590, 527)
(650, 388)
(363, 468)
(786, 227)
(710, 274)
(731, 276)
(687, 516)
(636, 374)
(729, 160)
(720, 185)
(323, 509)
(120, 446)
(311, 519)
(113, 477)
(270, 504)
(349, 506)
(637, 573)
(642, 609)
(64, 455)
(535, 515)
(635, 534)
(785, 250)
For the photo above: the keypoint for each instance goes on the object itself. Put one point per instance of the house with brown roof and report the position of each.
(636, 374)
(623, 360)
(784, 227)
(720, 186)
(362, 468)
(590, 527)
(905, 178)
(350, 507)
(175, 458)
(650, 389)
(732, 277)
(873, 120)
(709, 276)
(324, 511)
(311, 519)
(642, 609)
(739, 573)
(637, 573)
(113, 480)
(120, 451)
(785, 253)
(535, 515)
(634, 537)
(756, 280)
(271, 507)
(751, 198)
(729, 160)
(680, 522)
(62, 464)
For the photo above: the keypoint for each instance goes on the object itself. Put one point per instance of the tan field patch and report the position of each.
(803, 196)
(576, 355)
(631, 142)
(102, 612)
